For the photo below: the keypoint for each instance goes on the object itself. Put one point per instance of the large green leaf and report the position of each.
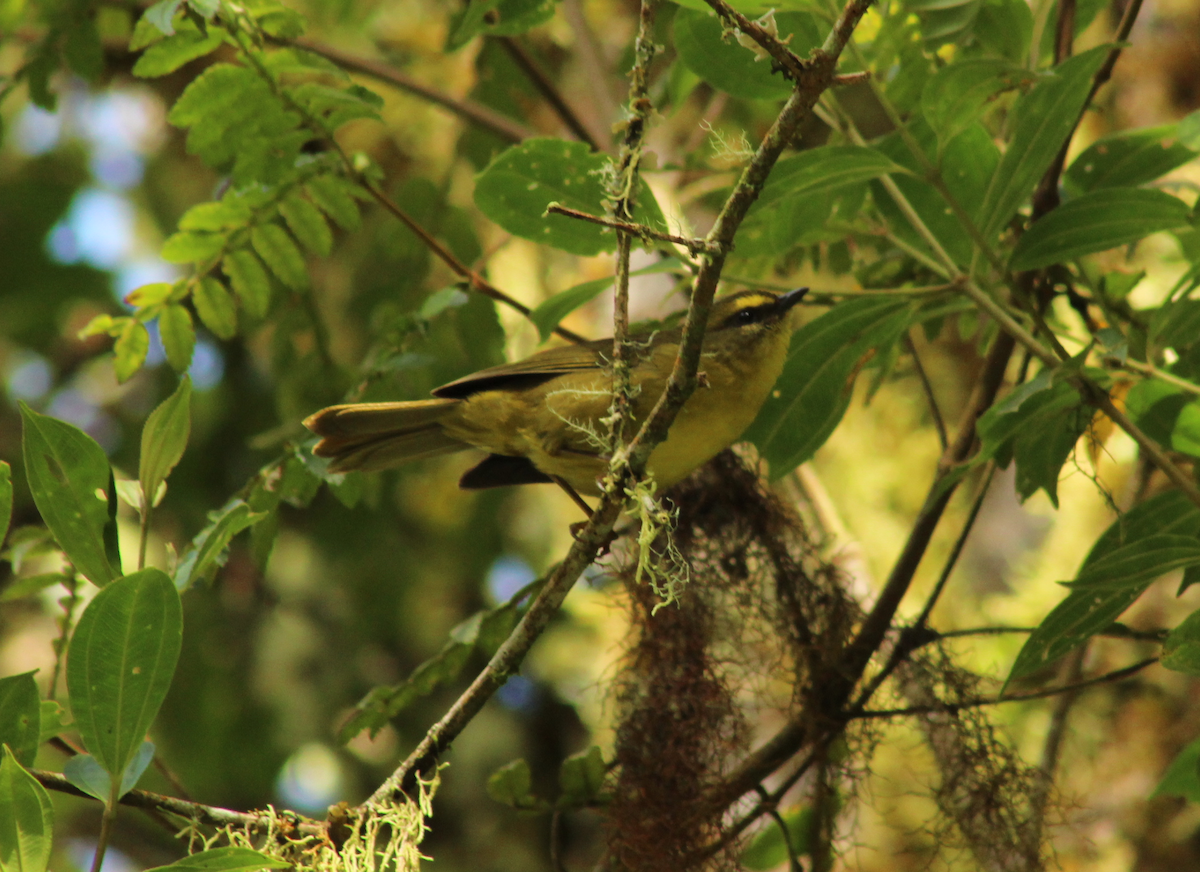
(163, 439)
(1132, 157)
(20, 716)
(120, 663)
(1097, 221)
(814, 390)
(69, 478)
(1043, 120)
(515, 189)
(1083, 613)
(26, 819)
(707, 51)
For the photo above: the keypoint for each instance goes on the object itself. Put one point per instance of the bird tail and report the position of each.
(371, 436)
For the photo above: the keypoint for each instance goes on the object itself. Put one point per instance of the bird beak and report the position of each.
(785, 302)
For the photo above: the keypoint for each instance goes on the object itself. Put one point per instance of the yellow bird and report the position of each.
(540, 419)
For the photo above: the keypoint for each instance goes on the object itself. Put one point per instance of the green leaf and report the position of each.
(1097, 221)
(1038, 425)
(227, 859)
(207, 549)
(88, 775)
(330, 193)
(769, 848)
(190, 247)
(581, 777)
(249, 281)
(550, 313)
(334, 107)
(82, 49)
(29, 585)
(383, 703)
(1181, 650)
(1140, 562)
(215, 307)
(825, 168)
(1006, 27)
(1043, 120)
(307, 224)
(6, 499)
(1083, 613)
(130, 350)
(515, 189)
(53, 720)
(1129, 158)
(169, 54)
(178, 336)
(511, 785)
(499, 18)
(1185, 434)
(26, 819)
(733, 68)
(20, 716)
(945, 20)
(164, 438)
(69, 479)
(1182, 777)
(153, 294)
(162, 15)
(120, 663)
(483, 631)
(280, 253)
(136, 767)
(955, 96)
(814, 390)
(967, 163)
(229, 212)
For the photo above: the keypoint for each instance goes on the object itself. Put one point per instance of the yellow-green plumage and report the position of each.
(541, 416)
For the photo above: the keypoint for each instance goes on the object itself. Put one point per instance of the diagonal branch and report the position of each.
(484, 116)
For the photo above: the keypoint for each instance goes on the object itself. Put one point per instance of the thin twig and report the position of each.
(546, 87)
(486, 117)
(927, 386)
(1072, 672)
(792, 65)
(591, 57)
(953, 707)
(475, 281)
(694, 246)
(623, 192)
(195, 811)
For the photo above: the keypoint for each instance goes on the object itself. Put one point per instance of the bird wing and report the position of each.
(531, 371)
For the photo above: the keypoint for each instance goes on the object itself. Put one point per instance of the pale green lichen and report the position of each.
(381, 838)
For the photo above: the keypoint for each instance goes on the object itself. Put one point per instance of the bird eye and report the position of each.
(744, 316)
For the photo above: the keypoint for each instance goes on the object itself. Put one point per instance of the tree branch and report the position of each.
(477, 113)
(194, 811)
(546, 87)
